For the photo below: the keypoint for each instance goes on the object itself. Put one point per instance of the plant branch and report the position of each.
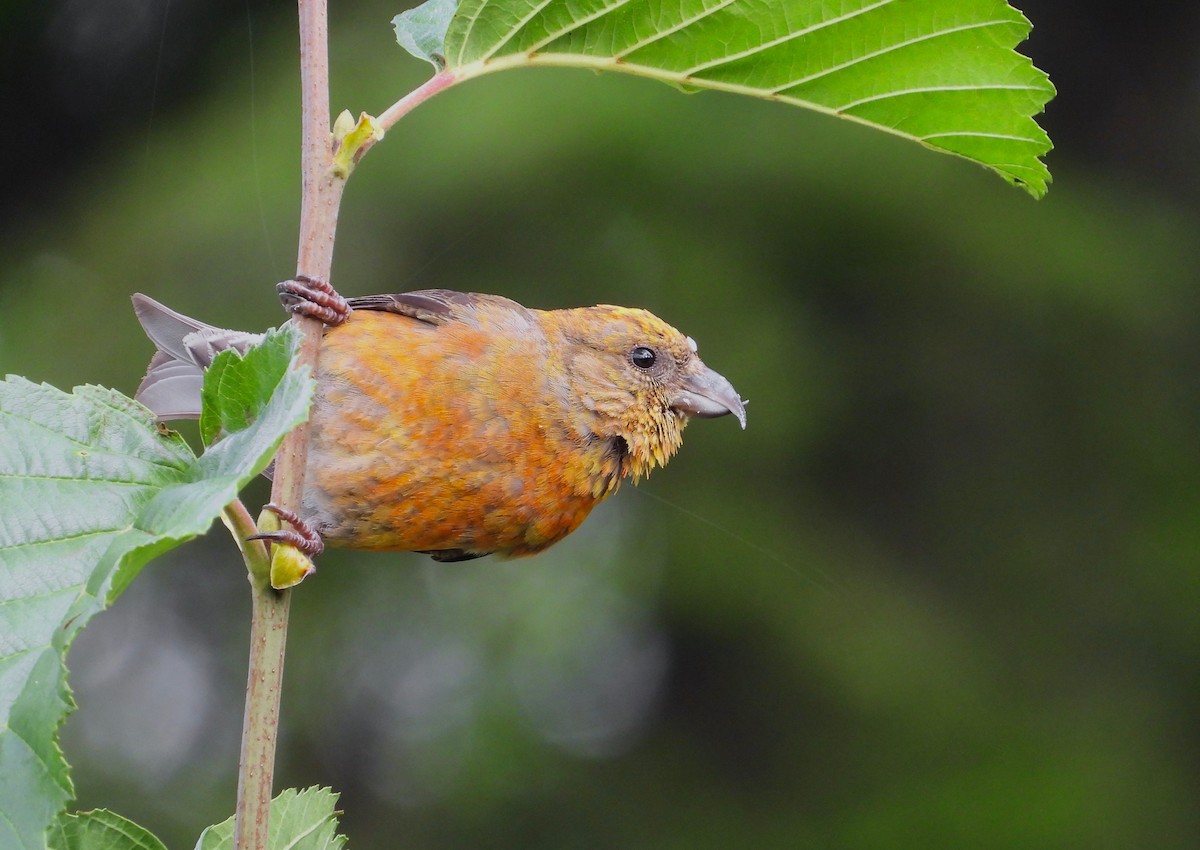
(321, 197)
(260, 725)
(322, 187)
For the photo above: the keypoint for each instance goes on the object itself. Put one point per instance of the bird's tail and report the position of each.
(186, 348)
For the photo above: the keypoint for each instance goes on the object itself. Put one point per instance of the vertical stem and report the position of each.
(260, 726)
(321, 196)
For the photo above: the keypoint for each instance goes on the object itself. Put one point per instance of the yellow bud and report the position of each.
(289, 566)
(349, 137)
(342, 125)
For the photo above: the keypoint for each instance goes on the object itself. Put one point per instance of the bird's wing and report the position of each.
(434, 306)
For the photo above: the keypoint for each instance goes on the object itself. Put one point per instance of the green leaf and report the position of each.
(300, 820)
(940, 72)
(210, 415)
(100, 830)
(90, 491)
(422, 30)
(237, 387)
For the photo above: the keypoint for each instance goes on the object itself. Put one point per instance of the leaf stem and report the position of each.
(437, 83)
(241, 525)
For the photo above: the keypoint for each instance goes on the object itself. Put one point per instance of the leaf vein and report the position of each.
(67, 537)
(134, 840)
(883, 51)
(25, 477)
(638, 45)
(579, 22)
(800, 33)
(930, 89)
(466, 37)
(298, 838)
(572, 60)
(980, 134)
(8, 820)
(33, 751)
(508, 36)
(50, 429)
(46, 594)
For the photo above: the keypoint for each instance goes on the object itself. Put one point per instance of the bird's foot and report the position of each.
(316, 299)
(301, 535)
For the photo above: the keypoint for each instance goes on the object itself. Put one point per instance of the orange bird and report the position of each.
(460, 425)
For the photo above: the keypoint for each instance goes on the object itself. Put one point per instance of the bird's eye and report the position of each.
(642, 357)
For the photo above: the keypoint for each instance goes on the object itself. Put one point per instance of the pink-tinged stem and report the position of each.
(411, 101)
(321, 197)
(416, 97)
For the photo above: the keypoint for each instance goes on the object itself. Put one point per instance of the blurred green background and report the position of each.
(942, 591)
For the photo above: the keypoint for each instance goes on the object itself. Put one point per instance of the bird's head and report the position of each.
(634, 377)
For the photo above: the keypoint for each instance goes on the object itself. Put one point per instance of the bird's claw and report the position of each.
(301, 535)
(316, 299)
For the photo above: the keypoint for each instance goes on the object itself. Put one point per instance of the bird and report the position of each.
(459, 424)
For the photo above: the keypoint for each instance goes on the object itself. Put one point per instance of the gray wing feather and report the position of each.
(171, 388)
(186, 348)
(164, 326)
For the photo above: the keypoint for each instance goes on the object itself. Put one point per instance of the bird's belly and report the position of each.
(484, 510)
(479, 489)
